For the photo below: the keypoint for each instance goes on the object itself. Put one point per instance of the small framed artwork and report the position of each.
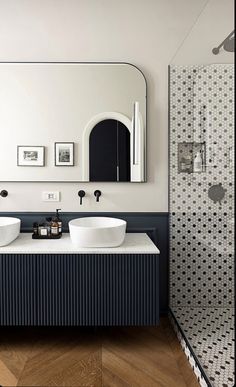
(64, 154)
(30, 156)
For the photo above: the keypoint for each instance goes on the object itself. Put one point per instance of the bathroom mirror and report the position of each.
(72, 122)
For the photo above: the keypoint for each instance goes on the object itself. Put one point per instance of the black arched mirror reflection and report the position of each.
(109, 152)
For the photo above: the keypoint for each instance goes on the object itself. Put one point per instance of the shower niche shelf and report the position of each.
(186, 153)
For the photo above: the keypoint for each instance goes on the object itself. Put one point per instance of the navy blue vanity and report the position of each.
(45, 283)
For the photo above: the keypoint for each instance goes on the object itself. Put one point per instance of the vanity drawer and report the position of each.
(86, 290)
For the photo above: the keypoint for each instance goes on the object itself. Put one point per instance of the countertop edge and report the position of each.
(24, 244)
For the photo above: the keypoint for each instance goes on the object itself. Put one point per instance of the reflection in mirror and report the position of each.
(109, 152)
(61, 103)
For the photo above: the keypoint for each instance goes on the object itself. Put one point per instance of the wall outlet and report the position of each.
(51, 196)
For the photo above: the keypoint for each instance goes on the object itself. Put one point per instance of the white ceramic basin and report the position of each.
(97, 232)
(9, 230)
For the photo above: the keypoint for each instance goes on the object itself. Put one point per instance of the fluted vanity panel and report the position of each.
(18, 289)
(84, 289)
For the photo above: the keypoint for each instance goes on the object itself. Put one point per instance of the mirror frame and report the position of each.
(113, 115)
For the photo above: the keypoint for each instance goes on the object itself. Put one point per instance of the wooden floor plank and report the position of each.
(102, 357)
(184, 366)
(153, 363)
(127, 371)
(14, 351)
(6, 377)
(86, 372)
(109, 379)
(59, 363)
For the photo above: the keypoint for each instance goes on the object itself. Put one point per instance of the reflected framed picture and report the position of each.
(30, 156)
(64, 154)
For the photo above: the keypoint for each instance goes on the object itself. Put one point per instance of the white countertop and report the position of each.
(135, 243)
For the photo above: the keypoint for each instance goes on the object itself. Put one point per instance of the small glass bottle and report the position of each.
(35, 228)
(59, 221)
(182, 165)
(197, 164)
(47, 224)
(43, 230)
(54, 227)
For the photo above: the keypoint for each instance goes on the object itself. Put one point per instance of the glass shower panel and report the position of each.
(202, 212)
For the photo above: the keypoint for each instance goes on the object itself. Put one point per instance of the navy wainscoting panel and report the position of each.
(84, 290)
(155, 224)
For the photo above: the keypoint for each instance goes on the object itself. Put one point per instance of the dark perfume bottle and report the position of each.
(58, 220)
(35, 228)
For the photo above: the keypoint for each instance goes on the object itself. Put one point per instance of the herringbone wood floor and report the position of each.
(109, 357)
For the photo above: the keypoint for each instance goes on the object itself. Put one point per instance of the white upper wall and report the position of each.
(214, 24)
(147, 33)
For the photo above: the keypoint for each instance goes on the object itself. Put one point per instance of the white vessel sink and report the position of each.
(97, 232)
(9, 230)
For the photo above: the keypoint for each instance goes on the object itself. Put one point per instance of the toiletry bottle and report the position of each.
(54, 227)
(43, 230)
(188, 164)
(59, 222)
(48, 224)
(182, 165)
(35, 228)
(197, 163)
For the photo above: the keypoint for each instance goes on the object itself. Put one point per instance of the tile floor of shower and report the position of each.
(210, 334)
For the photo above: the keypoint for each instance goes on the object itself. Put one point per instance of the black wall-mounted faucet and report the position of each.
(3, 193)
(81, 194)
(97, 194)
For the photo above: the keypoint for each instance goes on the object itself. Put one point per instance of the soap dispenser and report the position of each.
(59, 221)
(197, 163)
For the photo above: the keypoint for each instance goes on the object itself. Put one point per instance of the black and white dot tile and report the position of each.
(201, 230)
(210, 333)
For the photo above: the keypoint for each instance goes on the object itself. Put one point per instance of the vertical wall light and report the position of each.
(136, 133)
(137, 141)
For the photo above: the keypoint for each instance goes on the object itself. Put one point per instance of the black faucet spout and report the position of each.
(81, 195)
(97, 194)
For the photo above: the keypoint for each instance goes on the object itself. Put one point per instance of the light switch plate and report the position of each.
(51, 196)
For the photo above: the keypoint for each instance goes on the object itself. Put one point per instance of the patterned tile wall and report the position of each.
(202, 230)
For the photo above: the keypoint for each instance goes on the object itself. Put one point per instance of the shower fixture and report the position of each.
(216, 193)
(228, 44)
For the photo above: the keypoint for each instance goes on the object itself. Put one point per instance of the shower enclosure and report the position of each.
(201, 205)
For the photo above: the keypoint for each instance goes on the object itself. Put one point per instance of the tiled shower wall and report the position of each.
(201, 230)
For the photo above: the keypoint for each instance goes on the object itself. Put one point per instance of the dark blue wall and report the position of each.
(155, 224)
